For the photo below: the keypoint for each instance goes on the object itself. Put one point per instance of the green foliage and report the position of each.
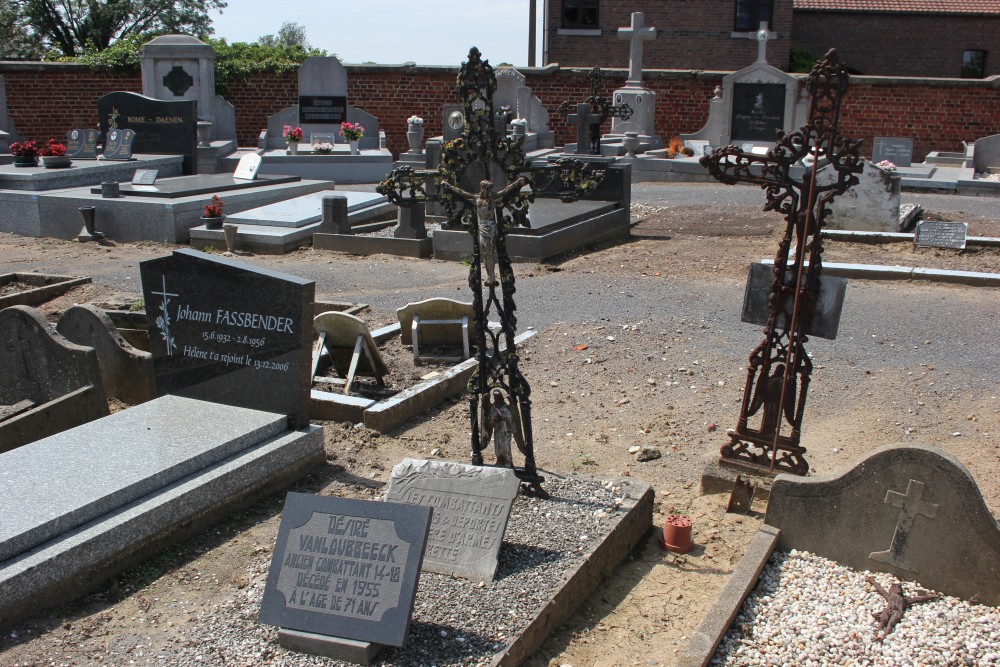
(240, 60)
(800, 60)
(122, 56)
(137, 305)
(290, 34)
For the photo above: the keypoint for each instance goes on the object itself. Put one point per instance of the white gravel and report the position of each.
(810, 611)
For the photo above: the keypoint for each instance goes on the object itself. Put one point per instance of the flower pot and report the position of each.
(415, 137)
(25, 161)
(354, 146)
(676, 535)
(55, 161)
(213, 223)
(630, 142)
(293, 148)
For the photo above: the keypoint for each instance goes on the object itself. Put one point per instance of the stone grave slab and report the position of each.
(79, 174)
(936, 234)
(346, 568)
(34, 477)
(898, 150)
(230, 332)
(826, 320)
(164, 128)
(206, 184)
(246, 169)
(471, 506)
(915, 512)
(306, 210)
(62, 380)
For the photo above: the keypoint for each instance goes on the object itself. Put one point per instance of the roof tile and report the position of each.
(904, 6)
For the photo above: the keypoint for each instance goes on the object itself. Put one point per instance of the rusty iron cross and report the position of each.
(779, 371)
(486, 187)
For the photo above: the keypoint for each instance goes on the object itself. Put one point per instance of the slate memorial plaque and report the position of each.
(229, 332)
(118, 144)
(246, 169)
(346, 568)
(82, 144)
(936, 234)
(471, 507)
(322, 109)
(826, 320)
(758, 111)
(144, 176)
(163, 128)
(897, 150)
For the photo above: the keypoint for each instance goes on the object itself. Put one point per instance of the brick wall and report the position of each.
(690, 34)
(49, 99)
(899, 44)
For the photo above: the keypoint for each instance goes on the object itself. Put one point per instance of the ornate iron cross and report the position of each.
(489, 212)
(600, 107)
(779, 370)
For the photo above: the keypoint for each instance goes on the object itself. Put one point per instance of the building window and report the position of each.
(579, 14)
(973, 64)
(750, 14)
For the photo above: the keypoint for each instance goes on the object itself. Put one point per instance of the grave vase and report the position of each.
(55, 161)
(630, 142)
(25, 160)
(415, 137)
(354, 146)
(230, 231)
(676, 535)
(213, 222)
(293, 148)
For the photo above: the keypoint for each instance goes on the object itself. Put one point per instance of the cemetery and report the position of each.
(500, 398)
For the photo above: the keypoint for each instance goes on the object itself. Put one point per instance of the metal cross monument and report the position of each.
(591, 113)
(488, 213)
(779, 370)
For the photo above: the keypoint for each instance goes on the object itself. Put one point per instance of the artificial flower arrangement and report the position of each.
(323, 148)
(676, 147)
(519, 121)
(25, 148)
(352, 131)
(52, 148)
(293, 135)
(414, 120)
(884, 165)
(504, 111)
(213, 209)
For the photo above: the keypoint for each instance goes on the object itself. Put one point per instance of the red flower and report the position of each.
(214, 209)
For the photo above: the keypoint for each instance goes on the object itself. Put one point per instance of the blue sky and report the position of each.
(389, 32)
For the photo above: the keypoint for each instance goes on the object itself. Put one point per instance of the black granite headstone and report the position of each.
(758, 111)
(346, 568)
(118, 144)
(164, 128)
(322, 109)
(937, 234)
(826, 320)
(898, 150)
(82, 144)
(230, 332)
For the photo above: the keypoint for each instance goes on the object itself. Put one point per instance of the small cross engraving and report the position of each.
(19, 347)
(912, 505)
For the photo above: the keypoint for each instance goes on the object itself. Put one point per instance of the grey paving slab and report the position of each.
(63, 481)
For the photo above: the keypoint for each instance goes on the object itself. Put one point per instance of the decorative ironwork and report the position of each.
(486, 188)
(779, 371)
(601, 109)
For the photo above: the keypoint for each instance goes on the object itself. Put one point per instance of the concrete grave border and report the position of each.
(47, 287)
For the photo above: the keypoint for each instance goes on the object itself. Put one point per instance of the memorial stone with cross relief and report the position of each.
(634, 94)
(499, 394)
(591, 113)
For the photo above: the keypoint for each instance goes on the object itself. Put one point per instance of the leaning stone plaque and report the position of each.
(82, 144)
(247, 168)
(118, 145)
(898, 150)
(145, 176)
(935, 234)
(346, 568)
(826, 319)
(471, 507)
(229, 332)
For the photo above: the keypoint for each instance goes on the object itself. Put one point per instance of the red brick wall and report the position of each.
(690, 34)
(899, 44)
(48, 100)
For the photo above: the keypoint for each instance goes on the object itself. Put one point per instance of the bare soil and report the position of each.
(658, 383)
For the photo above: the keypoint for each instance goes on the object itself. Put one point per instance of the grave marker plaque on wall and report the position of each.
(758, 111)
(322, 109)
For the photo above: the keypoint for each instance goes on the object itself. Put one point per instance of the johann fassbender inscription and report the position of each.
(471, 507)
(229, 332)
(346, 568)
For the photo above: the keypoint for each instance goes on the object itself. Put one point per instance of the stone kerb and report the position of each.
(915, 512)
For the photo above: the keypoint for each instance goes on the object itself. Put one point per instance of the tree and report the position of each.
(75, 26)
(17, 40)
(289, 34)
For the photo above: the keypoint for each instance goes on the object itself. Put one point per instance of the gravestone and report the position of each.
(471, 506)
(118, 144)
(511, 91)
(986, 155)
(828, 307)
(434, 309)
(640, 99)
(898, 150)
(871, 205)
(161, 128)
(246, 169)
(936, 234)
(914, 512)
(61, 379)
(345, 567)
(229, 332)
(82, 144)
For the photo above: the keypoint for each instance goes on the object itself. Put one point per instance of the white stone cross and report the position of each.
(912, 505)
(637, 33)
(762, 36)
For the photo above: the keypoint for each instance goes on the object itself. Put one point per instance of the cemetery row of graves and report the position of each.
(236, 379)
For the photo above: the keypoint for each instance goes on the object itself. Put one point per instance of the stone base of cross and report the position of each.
(499, 394)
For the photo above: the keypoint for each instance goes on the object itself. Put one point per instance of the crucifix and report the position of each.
(591, 113)
(499, 395)
(779, 370)
(637, 33)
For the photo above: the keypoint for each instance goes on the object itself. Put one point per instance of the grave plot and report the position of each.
(31, 289)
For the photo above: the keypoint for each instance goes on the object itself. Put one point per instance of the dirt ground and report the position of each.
(659, 383)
